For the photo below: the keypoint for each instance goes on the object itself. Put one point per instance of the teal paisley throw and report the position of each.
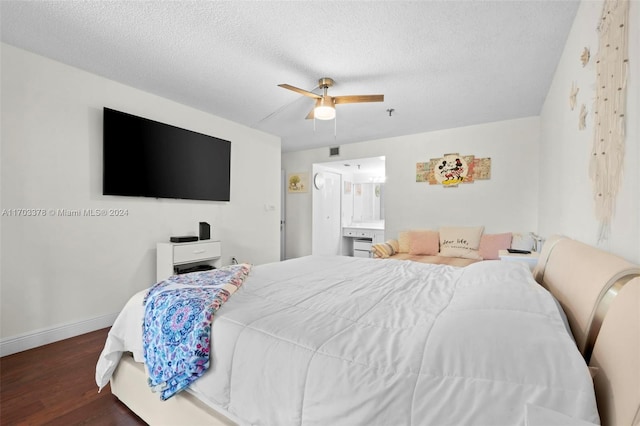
(177, 325)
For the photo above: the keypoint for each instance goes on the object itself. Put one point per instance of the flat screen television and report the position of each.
(146, 158)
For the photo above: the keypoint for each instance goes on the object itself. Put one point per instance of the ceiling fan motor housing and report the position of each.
(325, 82)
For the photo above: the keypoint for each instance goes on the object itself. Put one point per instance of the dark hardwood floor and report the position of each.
(55, 385)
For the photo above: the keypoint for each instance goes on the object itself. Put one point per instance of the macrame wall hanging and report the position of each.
(607, 154)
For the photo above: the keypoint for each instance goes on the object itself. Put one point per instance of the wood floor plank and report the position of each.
(55, 385)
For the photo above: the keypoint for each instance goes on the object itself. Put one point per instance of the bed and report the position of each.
(339, 340)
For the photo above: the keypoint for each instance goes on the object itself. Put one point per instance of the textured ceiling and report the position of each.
(440, 64)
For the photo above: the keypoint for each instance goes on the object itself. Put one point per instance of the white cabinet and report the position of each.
(170, 255)
(357, 233)
(358, 240)
(362, 247)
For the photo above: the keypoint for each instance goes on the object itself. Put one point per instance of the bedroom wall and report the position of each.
(566, 200)
(506, 202)
(62, 276)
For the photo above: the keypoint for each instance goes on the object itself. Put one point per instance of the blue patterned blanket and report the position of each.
(177, 325)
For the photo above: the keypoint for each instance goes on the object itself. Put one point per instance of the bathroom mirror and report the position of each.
(368, 202)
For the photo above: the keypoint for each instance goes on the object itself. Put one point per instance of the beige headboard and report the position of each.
(580, 276)
(616, 355)
(600, 294)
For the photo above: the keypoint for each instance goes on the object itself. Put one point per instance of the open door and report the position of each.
(327, 227)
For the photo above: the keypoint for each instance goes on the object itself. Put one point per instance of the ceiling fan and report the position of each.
(325, 107)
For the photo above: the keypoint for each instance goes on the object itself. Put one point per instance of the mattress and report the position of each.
(345, 341)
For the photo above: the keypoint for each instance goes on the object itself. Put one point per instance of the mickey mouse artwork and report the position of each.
(451, 170)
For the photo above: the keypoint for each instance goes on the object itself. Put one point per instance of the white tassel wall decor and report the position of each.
(607, 153)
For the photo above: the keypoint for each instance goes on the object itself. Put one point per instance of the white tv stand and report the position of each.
(170, 255)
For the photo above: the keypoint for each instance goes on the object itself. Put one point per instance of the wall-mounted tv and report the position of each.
(146, 158)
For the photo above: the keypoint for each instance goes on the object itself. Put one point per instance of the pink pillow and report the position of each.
(424, 242)
(491, 243)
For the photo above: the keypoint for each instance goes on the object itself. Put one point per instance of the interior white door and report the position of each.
(283, 214)
(327, 230)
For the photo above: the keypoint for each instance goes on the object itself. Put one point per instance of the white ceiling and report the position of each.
(440, 64)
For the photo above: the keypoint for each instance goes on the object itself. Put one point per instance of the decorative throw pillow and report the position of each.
(404, 242)
(378, 250)
(394, 245)
(384, 250)
(490, 244)
(424, 242)
(461, 241)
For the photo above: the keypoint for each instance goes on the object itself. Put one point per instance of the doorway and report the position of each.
(344, 200)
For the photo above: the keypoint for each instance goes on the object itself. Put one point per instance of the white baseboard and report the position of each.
(12, 345)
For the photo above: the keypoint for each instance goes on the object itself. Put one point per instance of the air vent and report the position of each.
(334, 151)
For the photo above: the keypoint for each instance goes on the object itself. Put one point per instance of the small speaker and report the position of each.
(205, 231)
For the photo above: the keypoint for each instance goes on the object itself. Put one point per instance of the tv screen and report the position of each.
(146, 158)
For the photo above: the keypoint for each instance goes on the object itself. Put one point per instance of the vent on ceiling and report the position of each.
(334, 151)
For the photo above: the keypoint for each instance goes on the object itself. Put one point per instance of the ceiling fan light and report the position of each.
(324, 113)
(324, 110)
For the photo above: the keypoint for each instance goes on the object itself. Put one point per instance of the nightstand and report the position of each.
(530, 259)
(170, 255)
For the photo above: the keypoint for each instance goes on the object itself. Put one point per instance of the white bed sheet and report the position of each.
(350, 341)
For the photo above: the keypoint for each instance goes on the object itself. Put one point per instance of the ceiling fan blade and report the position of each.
(310, 115)
(301, 91)
(354, 99)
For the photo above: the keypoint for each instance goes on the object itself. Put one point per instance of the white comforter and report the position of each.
(349, 341)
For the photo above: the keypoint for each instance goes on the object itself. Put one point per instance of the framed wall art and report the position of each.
(347, 187)
(450, 170)
(297, 182)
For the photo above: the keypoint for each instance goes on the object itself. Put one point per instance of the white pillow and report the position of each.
(461, 241)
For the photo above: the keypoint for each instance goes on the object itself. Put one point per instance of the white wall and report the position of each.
(566, 199)
(58, 272)
(506, 202)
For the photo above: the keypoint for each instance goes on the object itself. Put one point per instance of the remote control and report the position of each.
(519, 251)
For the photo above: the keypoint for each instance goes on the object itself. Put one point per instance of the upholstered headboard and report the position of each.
(600, 294)
(616, 356)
